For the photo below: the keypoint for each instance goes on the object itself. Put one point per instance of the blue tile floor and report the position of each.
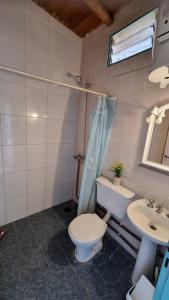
(37, 262)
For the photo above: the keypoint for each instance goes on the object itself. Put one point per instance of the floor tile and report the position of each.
(37, 261)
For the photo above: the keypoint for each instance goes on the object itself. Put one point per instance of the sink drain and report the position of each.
(153, 227)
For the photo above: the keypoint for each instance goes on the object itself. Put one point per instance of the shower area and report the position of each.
(41, 167)
(40, 92)
(80, 157)
(39, 99)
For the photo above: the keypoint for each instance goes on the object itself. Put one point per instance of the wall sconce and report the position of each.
(157, 114)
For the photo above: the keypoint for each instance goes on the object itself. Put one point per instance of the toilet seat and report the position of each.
(87, 228)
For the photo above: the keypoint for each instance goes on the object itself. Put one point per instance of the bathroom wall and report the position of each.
(135, 97)
(38, 120)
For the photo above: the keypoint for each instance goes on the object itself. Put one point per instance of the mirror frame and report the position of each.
(156, 117)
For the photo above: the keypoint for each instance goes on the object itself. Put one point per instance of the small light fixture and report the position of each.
(158, 120)
(157, 114)
(153, 115)
(160, 75)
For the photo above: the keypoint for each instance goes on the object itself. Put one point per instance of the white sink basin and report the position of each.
(150, 223)
(154, 228)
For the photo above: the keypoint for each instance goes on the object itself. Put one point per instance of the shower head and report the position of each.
(79, 80)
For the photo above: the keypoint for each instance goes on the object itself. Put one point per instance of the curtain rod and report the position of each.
(4, 68)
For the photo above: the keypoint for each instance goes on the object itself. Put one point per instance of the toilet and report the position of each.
(87, 230)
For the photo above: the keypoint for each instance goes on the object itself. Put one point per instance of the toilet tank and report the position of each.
(115, 199)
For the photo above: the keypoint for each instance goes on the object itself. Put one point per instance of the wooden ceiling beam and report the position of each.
(100, 11)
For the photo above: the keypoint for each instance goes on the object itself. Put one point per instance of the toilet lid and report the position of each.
(87, 227)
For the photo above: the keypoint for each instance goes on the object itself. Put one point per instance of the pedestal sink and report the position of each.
(154, 228)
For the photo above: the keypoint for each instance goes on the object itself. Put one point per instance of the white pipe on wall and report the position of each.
(15, 71)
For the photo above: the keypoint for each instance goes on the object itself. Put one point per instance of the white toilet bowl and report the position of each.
(86, 232)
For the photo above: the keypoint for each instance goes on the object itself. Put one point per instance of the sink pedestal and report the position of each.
(145, 260)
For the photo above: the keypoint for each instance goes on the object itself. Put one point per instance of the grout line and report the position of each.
(47, 123)
(26, 105)
(41, 144)
(3, 177)
(24, 171)
(40, 117)
(29, 85)
(14, 145)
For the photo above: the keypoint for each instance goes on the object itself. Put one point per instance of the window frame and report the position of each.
(109, 64)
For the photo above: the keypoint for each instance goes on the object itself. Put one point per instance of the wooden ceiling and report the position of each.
(82, 16)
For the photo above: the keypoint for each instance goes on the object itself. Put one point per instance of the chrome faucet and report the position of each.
(159, 208)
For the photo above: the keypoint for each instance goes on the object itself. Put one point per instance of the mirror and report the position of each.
(156, 150)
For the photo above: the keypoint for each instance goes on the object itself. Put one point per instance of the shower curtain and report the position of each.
(162, 288)
(99, 133)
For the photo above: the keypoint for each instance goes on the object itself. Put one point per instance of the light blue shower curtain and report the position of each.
(100, 129)
(162, 288)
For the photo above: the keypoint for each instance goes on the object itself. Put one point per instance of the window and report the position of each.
(133, 39)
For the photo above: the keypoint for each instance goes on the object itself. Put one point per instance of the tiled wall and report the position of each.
(38, 120)
(128, 80)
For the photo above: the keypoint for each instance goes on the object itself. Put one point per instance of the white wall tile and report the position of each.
(67, 153)
(54, 154)
(71, 109)
(53, 196)
(36, 83)
(53, 176)
(73, 55)
(36, 180)
(59, 89)
(54, 131)
(14, 158)
(2, 213)
(36, 156)
(67, 191)
(0, 132)
(58, 27)
(12, 27)
(16, 208)
(13, 5)
(33, 112)
(38, 13)
(1, 161)
(36, 202)
(55, 71)
(69, 132)
(36, 37)
(12, 57)
(36, 102)
(36, 65)
(15, 184)
(36, 130)
(13, 130)
(11, 77)
(1, 188)
(57, 47)
(67, 173)
(12, 98)
(56, 105)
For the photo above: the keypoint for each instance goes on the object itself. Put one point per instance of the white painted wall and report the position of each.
(36, 165)
(128, 80)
